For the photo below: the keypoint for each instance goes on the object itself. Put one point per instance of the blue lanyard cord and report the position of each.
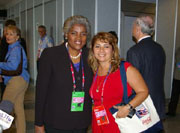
(104, 82)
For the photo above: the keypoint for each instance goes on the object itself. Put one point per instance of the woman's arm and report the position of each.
(13, 59)
(136, 81)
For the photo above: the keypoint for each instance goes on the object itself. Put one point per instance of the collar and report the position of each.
(144, 37)
(13, 45)
(42, 38)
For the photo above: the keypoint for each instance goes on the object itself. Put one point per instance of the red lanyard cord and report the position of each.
(72, 71)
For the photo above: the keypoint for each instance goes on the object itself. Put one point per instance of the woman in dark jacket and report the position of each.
(63, 103)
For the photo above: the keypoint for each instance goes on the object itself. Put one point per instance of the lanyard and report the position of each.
(104, 82)
(72, 71)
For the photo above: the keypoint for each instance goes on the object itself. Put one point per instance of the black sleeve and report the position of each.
(132, 57)
(42, 86)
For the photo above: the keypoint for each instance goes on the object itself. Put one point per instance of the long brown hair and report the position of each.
(108, 38)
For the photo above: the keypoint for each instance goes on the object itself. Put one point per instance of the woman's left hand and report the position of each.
(123, 111)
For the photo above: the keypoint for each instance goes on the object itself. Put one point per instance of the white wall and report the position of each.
(126, 37)
(165, 33)
(88, 10)
(178, 26)
(107, 15)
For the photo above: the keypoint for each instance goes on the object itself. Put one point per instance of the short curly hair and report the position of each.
(77, 19)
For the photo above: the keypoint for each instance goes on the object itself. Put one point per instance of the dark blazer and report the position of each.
(149, 58)
(54, 91)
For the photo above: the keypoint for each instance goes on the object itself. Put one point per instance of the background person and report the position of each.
(149, 58)
(4, 48)
(15, 85)
(172, 108)
(115, 34)
(107, 89)
(64, 73)
(44, 41)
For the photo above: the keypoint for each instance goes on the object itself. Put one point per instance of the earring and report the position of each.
(65, 39)
(112, 59)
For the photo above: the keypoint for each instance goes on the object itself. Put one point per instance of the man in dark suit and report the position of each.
(149, 58)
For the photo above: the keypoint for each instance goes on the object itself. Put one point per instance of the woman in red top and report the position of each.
(107, 89)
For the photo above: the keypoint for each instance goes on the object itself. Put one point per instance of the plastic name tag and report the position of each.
(77, 103)
(101, 115)
(5, 120)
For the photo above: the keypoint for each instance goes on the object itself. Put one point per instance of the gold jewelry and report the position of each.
(98, 84)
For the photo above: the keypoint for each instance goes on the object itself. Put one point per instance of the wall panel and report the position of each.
(107, 15)
(50, 18)
(37, 2)
(165, 36)
(29, 40)
(88, 11)
(59, 22)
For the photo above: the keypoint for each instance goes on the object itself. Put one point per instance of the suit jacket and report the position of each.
(54, 90)
(149, 58)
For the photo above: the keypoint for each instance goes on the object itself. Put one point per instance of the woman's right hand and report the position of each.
(123, 111)
(39, 129)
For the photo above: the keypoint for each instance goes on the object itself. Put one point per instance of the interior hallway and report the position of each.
(171, 124)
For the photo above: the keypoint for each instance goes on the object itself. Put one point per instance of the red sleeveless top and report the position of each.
(113, 93)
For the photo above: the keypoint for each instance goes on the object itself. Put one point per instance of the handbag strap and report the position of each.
(16, 72)
(126, 99)
(124, 82)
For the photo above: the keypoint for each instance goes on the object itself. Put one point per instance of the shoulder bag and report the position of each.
(144, 120)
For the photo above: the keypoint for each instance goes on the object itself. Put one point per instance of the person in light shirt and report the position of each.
(44, 41)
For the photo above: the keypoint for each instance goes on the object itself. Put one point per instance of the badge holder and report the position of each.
(77, 103)
(101, 115)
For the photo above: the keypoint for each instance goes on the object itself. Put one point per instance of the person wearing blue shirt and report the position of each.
(44, 42)
(15, 85)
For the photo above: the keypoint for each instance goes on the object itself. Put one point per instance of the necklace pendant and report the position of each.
(97, 90)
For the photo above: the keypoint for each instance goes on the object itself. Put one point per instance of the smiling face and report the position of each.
(77, 37)
(11, 36)
(103, 51)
